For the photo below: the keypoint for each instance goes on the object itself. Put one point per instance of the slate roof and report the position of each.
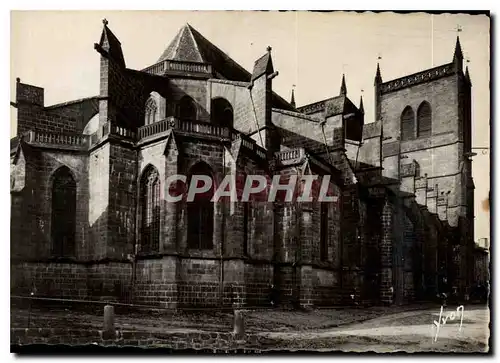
(30, 154)
(190, 46)
(183, 47)
(111, 44)
(263, 65)
(334, 106)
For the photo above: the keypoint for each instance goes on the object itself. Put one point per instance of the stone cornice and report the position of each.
(417, 78)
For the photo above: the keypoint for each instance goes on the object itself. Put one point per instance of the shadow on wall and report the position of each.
(176, 94)
(293, 140)
(90, 275)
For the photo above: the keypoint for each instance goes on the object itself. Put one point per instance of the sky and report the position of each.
(311, 51)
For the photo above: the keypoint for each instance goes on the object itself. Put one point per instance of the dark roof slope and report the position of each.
(263, 65)
(332, 106)
(111, 44)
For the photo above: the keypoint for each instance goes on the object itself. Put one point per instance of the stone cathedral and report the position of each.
(89, 218)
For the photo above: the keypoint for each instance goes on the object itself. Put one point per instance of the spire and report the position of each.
(110, 44)
(458, 55)
(292, 101)
(361, 107)
(343, 88)
(467, 76)
(378, 77)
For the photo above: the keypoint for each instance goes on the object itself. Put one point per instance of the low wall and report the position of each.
(214, 341)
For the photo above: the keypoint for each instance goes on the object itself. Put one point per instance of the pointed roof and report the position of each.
(110, 43)
(14, 142)
(458, 55)
(331, 106)
(292, 101)
(339, 105)
(361, 107)
(263, 65)
(25, 149)
(467, 76)
(190, 46)
(378, 77)
(183, 47)
(343, 87)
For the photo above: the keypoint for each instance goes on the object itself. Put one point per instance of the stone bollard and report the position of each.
(109, 318)
(239, 325)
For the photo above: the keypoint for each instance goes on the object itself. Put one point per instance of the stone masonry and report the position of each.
(400, 227)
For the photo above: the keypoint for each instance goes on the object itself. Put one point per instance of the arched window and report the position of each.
(408, 124)
(150, 210)
(151, 112)
(424, 120)
(323, 231)
(187, 109)
(63, 213)
(222, 112)
(200, 213)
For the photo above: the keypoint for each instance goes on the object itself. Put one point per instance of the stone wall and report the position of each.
(32, 115)
(370, 254)
(208, 341)
(107, 281)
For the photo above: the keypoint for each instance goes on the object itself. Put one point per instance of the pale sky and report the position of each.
(54, 50)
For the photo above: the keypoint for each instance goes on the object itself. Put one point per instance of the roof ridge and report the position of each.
(190, 29)
(178, 41)
(67, 103)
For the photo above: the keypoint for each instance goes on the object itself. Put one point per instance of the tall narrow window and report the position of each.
(424, 120)
(201, 213)
(151, 112)
(187, 109)
(63, 213)
(150, 211)
(324, 231)
(408, 124)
